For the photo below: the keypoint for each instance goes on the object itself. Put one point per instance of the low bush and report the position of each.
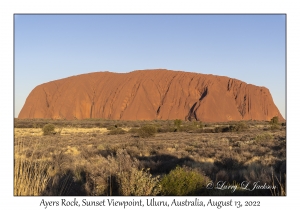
(274, 127)
(263, 137)
(241, 126)
(112, 127)
(274, 120)
(274, 123)
(198, 124)
(48, 129)
(182, 181)
(116, 131)
(147, 131)
(222, 129)
(177, 123)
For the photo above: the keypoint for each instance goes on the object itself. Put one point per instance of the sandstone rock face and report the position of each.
(149, 95)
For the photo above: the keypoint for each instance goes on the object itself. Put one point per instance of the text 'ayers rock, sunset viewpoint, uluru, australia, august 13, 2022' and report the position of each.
(150, 95)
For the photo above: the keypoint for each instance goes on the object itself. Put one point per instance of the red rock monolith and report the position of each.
(150, 95)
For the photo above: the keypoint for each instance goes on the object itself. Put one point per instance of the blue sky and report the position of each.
(250, 48)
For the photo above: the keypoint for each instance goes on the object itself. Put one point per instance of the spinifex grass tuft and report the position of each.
(31, 176)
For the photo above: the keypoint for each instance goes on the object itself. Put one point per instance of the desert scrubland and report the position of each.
(160, 157)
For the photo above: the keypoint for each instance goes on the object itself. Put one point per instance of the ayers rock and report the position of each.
(150, 95)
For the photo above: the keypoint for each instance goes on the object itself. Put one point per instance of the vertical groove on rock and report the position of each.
(168, 88)
(46, 97)
(158, 110)
(203, 94)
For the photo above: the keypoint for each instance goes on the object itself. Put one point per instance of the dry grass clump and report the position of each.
(280, 184)
(31, 176)
(274, 127)
(133, 130)
(138, 182)
(120, 175)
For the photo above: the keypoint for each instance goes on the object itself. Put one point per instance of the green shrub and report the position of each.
(274, 120)
(263, 137)
(177, 123)
(147, 131)
(275, 123)
(116, 131)
(241, 126)
(182, 181)
(198, 124)
(48, 129)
